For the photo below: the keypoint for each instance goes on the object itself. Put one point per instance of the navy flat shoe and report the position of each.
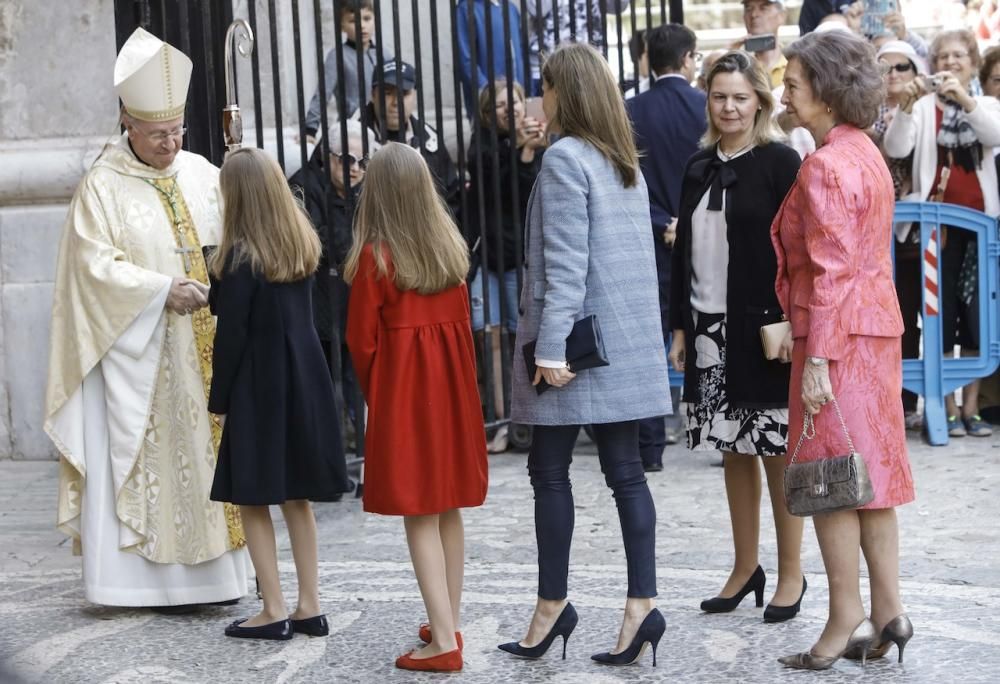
(314, 626)
(276, 631)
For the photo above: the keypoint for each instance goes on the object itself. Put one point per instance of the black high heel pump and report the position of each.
(725, 605)
(564, 626)
(775, 613)
(649, 632)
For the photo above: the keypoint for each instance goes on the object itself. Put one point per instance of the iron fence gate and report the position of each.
(485, 169)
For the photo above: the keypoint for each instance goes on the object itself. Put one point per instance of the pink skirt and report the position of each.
(867, 382)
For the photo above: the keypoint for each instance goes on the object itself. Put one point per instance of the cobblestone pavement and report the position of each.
(950, 581)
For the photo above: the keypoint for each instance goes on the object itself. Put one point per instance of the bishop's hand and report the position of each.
(186, 296)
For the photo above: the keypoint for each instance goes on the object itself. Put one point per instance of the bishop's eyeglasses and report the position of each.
(160, 137)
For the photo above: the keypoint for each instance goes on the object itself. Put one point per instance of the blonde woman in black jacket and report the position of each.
(735, 400)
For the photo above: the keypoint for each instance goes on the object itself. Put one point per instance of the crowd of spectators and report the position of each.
(940, 119)
(769, 174)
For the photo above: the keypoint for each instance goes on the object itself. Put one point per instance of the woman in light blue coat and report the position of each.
(589, 251)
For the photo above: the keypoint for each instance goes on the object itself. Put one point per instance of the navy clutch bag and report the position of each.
(584, 349)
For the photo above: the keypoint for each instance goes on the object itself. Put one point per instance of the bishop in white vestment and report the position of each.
(130, 357)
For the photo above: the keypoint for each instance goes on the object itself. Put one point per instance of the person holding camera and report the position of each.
(497, 205)
(951, 134)
(762, 19)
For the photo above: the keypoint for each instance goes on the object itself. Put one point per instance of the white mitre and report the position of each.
(152, 77)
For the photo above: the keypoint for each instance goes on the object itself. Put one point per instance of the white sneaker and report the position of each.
(499, 442)
(914, 420)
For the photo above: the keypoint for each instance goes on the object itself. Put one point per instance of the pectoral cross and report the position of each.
(186, 252)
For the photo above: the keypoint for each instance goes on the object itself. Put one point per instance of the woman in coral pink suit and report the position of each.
(833, 241)
(410, 338)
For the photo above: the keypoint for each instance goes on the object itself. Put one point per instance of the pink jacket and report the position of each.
(832, 236)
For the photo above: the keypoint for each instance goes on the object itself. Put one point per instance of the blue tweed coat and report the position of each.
(589, 250)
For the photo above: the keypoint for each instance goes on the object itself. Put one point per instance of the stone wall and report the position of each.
(56, 107)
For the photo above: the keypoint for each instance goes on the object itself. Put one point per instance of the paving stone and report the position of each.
(950, 549)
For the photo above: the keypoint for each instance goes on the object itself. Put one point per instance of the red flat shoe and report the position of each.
(443, 662)
(425, 635)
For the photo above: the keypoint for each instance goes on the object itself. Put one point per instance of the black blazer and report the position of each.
(757, 183)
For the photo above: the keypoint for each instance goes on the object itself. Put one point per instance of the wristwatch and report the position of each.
(816, 361)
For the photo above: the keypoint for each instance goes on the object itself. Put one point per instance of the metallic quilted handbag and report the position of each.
(831, 484)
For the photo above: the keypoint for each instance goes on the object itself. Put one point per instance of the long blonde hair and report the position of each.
(401, 211)
(589, 106)
(261, 221)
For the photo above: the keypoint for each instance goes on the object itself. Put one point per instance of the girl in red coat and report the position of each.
(410, 338)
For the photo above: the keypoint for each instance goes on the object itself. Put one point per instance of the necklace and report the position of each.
(170, 198)
(729, 155)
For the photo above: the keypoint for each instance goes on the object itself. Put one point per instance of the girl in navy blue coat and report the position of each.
(271, 388)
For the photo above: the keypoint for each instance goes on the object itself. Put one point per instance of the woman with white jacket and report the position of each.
(951, 134)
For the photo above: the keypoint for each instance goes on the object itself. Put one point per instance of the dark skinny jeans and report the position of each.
(548, 465)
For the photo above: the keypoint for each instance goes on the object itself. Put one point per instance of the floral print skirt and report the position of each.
(712, 424)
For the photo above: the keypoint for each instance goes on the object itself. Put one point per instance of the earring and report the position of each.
(829, 111)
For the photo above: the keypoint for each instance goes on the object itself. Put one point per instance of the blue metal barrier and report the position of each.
(933, 376)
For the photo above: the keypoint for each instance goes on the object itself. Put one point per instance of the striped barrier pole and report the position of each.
(935, 417)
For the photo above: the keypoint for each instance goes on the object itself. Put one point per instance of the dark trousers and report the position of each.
(909, 290)
(548, 465)
(653, 431)
(652, 440)
(959, 321)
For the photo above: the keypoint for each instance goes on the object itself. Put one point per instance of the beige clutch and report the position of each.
(771, 337)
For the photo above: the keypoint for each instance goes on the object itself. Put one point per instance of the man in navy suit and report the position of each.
(669, 120)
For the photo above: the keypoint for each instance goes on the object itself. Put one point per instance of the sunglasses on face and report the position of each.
(362, 162)
(899, 68)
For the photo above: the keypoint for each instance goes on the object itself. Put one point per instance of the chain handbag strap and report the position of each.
(808, 424)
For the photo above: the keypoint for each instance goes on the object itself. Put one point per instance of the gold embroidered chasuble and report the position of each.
(122, 243)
